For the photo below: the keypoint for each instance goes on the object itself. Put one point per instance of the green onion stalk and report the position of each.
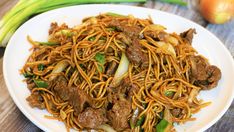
(25, 9)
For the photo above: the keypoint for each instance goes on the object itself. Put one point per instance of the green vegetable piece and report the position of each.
(169, 93)
(100, 58)
(28, 75)
(68, 33)
(112, 28)
(40, 83)
(48, 43)
(102, 38)
(40, 67)
(140, 121)
(131, 124)
(92, 38)
(114, 14)
(25, 9)
(178, 2)
(162, 125)
(144, 105)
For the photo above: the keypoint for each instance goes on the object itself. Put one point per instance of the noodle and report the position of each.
(166, 88)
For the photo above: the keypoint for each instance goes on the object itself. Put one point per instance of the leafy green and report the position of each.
(41, 83)
(162, 125)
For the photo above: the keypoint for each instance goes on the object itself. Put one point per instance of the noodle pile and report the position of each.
(165, 84)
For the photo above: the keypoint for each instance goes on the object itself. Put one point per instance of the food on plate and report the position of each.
(118, 73)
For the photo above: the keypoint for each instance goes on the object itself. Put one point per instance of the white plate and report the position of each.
(205, 42)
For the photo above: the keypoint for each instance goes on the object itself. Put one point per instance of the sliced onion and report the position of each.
(156, 27)
(192, 95)
(60, 66)
(167, 47)
(106, 128)
(121, 70)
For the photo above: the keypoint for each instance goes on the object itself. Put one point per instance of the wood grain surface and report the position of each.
(12, 120)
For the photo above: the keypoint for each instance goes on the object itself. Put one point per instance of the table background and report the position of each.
(12, 120)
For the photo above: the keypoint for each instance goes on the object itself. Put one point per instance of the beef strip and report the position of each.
(159, 36)
(92, 118)
(61, 88)
(136, 56)
(79, 99)
(134, 51)
(36, 100)
(128, 30)
(129, 88)
(112, 67)
(119, 114)
(203, 74)
(187, 36)
(75, 96)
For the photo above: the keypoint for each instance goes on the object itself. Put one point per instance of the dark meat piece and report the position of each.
(75, 96)
(122, 37)
(119, 114)
(112, 67)
(161, 35)
(61, 88)
(135, 54)
(129, 88)
(129, 30)
(79, 99)
(131, 33)
(30, 84)
(36, 100)
(188, 35)
(203, 74)
(92, 118)
(125, 90)
(199, 65)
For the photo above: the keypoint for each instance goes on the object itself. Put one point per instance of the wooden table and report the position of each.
(12, 120)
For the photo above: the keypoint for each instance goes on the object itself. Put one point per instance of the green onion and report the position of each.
(92, 38)
(162, 125)
(28, 75)
(65, 32)
(169, 93)
(102, 38)
(114, 14)
(100, 58)
(179, 2)
(40, 67)
(112, 28)
(140, 121)
(41, 84)
(131, 124)
(25, 9)
(48, 43)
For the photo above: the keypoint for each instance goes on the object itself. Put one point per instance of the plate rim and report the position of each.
(38, 124)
